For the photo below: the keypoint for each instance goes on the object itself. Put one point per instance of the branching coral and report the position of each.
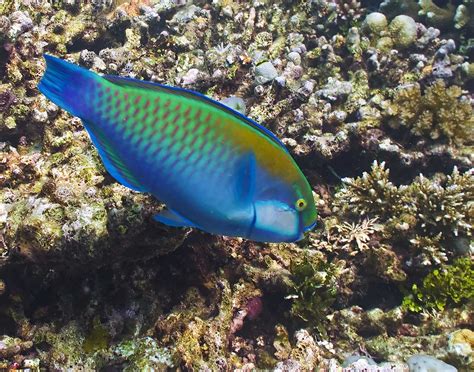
(426, 214)
(446, 208)
(439, 113)
(370, 195)
(358, 234)
(451, 284)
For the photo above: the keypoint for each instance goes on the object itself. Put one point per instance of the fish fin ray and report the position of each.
(63, 82)
(172, 218)
(129, 82)
(112, 163)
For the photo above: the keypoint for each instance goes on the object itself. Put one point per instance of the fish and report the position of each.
(214, 168)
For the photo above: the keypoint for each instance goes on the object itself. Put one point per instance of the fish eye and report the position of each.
(300, 204)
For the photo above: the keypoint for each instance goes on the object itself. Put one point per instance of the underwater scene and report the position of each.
(237, 185)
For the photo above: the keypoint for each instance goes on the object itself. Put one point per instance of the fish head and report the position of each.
(284, 212)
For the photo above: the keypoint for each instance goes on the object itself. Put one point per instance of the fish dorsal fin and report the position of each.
(134, 83)
(112, 162)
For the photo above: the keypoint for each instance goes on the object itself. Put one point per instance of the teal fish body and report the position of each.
(215, 169)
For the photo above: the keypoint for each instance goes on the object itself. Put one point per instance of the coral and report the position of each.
(375, 23)
(429, 215)
(439, 113)
(437, 15)
(403, 31)
(10, 346)
(89, 281)
(448, 285)
(460, 348)
(371, 195)
(393, 8)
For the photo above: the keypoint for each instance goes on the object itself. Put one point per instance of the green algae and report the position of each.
(313, 291)
(97, 339)
(447, 286)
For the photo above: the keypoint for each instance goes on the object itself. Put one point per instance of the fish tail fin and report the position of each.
(64, 82)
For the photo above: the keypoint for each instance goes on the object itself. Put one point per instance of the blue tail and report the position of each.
(66, 85)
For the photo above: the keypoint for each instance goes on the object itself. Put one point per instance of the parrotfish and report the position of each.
(214, 168)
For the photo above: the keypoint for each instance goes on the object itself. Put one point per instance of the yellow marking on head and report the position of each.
(267, 153)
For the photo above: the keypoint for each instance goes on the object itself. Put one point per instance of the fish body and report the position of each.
(215, 169)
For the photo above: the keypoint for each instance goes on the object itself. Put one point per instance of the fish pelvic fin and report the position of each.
(65, 84)
(172, 218)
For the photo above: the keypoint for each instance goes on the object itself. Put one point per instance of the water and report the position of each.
(374, 103)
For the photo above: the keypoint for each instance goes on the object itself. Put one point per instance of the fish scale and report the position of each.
(176, 124)
(214, 168)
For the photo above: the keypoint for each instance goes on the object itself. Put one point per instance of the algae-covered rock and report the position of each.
(461, 348)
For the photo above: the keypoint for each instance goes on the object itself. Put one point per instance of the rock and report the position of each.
(294, 57)
(265, 72)
(357, 362)
(460, 347)
(426, 363)
(235, 103)
(335, 89)
(20, 23)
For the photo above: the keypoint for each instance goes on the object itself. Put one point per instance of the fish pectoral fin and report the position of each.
(245, 185)
(112, 162)
(172, 218)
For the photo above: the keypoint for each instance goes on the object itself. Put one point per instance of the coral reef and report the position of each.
(89, 281)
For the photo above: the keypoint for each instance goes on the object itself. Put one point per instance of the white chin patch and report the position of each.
(276, 218)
